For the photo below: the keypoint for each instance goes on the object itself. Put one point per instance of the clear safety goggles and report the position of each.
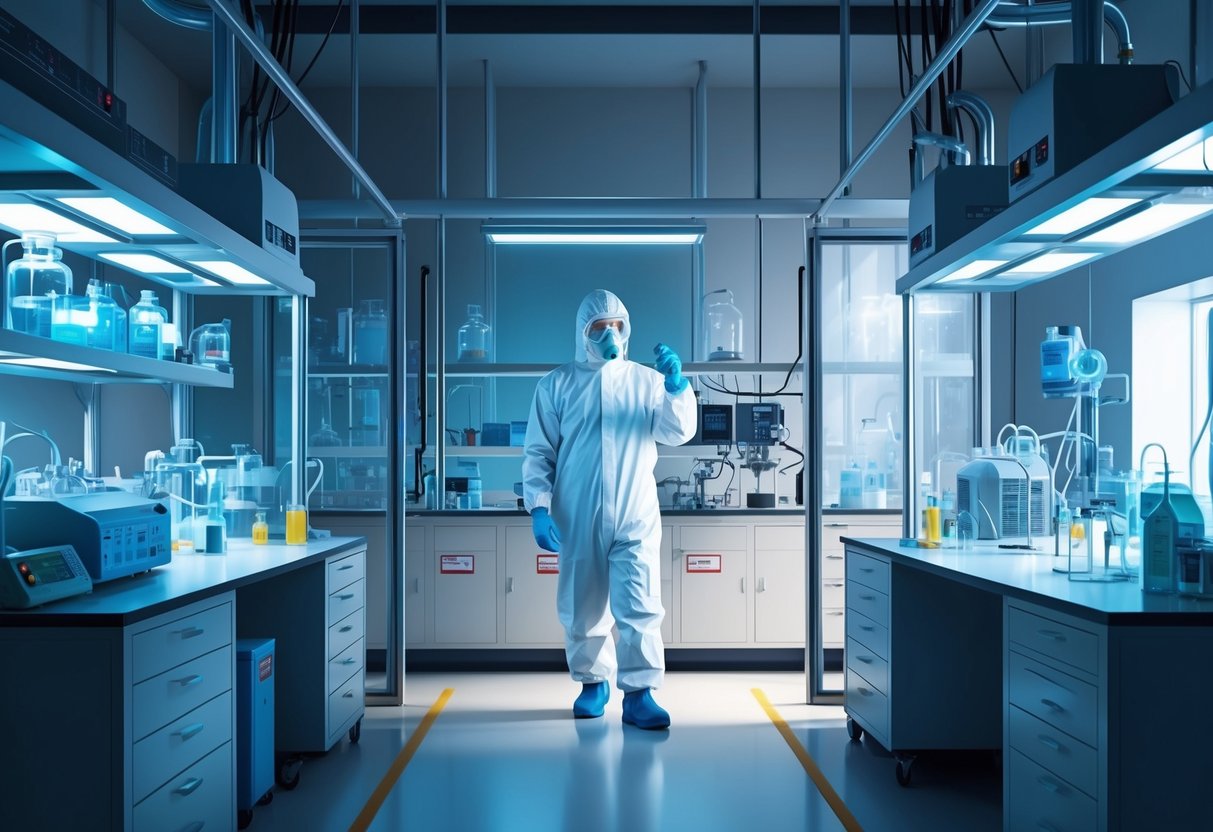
(596, 331)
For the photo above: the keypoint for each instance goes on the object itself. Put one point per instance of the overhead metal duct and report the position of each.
(1010, 15)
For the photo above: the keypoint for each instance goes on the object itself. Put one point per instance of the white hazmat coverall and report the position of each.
(591, 447)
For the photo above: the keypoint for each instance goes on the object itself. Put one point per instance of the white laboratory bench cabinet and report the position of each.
(1096, 694)
(117, 708)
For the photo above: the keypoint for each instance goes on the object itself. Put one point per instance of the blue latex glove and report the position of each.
(545, 531)
(670, 365)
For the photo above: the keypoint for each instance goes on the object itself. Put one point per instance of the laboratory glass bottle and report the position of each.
(370, 334)
(1160, 533)
(33, 281)
(296, 524)
(722, 326)
(473, 336)
(211, 345)
(104, 311)
(117, 294)
(261, 530)
(147, 317)
(72, 318)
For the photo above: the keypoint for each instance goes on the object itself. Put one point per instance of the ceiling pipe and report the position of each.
(355, 88)
(490, 132)
(983, 117)
(845, 92)
(947, 53)
(1014, 15)
(699, 184)
(189, 15)
(952, 151)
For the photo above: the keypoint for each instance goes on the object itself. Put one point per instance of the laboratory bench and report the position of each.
(1093, 693)
(122, 701)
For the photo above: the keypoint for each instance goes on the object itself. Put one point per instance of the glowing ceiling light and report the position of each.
(231, 272)
(1051, 263)
(55, 364)
(146, 263)
(1197, 158)
(23, 218)
(1154, 220)
(971, 270)
(1083, 215)
(113, 213)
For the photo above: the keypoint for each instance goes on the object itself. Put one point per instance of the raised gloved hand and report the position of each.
(545, 531)
(670, 365)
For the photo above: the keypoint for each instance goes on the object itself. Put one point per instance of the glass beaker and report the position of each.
(33, 280)
(211, 344)
(722, 327)
(320, 392)
(370, 334)
(72, 317)
(296, 524)
(473, 337)
(185, 484)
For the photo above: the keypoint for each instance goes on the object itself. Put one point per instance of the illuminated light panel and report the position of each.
(146, 263)
(55, 364)
(1152, 221)
(24, 218)
(1054, 261)
(1082, 215)
(1196, 158)
(971, 270)
(591, 238)
(113, 213)
(231, 272)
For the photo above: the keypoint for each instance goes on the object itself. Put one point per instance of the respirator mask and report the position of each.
(606, 344)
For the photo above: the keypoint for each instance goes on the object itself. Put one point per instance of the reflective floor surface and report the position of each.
(505, 754)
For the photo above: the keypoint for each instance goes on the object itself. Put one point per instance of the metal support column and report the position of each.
(699, 190)
(298, 399)
(845, 103)
(1086, 28)
(1202, 42)
(355, 89)
(490, 133)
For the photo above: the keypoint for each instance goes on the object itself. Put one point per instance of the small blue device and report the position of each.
(255, 673)
(39, 576)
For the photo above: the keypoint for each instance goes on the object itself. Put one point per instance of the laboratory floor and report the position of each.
(503, 753)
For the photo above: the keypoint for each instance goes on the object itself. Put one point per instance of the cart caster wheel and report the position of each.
(853, 730)
(904, 768)
(243, 818)
(356, 732)
(266, 799)
(288, 773)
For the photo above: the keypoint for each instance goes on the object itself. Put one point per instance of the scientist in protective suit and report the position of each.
(591, 446)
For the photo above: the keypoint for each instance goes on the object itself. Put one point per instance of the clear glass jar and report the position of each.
(722, 327)
(104, 333)
(72, 317)
(473, 337)
(211, 345)
(370, 334)
(147, 317)
(116, 293)
(33, 280)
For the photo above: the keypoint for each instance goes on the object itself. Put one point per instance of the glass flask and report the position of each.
(183, 479)
(366, 417)
(722, 327)
(370, 334)
(473, 338)
(32, 281)
(211, 344)
(320, 393)
(296, 524)
(116, 293)
(147, 317)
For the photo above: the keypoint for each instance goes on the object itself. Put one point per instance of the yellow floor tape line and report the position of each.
(810, 765)
(363, 821)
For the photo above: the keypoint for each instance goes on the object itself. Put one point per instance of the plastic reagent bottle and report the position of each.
(34, 281)
(146, 319)
(261, 530)
(1159, 534)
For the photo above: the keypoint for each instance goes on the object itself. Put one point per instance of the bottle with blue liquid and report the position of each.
(147, 318)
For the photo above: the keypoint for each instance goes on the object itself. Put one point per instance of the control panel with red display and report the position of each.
(39, 576)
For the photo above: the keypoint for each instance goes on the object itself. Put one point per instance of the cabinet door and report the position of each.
(530, 591)
(713, 603)
(667, 583)
(465, 597)
(779, 596)
(414, 586)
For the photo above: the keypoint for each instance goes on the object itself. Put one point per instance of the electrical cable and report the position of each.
(1005, 62)
(315, 57)
(1183, 77)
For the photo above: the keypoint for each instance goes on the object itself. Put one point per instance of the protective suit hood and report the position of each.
(596, 306)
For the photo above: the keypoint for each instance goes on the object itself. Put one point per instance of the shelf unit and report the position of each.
(30, 355)
(708, 368)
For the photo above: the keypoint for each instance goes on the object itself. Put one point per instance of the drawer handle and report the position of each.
(1052, 634)
(189, 786)
(867, 597)
(834, 583)
(349, 694)
(190, 632)
(349, 660)
(864, 659)
(1053, 706)
(836, 612)
(864, 691)
(416, 585)
(190, 681)
(191, 731)
(866, 569)
(838, 525)
(346, 628)
(762, 585)
(1050, 784)
(509, 584)
(345, 596)
(833, 557)
(343, 568)
(866, 628)
(1049, 742)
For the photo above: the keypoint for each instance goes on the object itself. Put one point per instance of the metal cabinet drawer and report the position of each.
(198, 798)
(868, 705)
(346, 664)
(869, 571)
(712, 538)
(769, 538)
(174, 693)
(1062, 701)
(465, 539)
(1058, 752)
(1037, 799)
(155, 651)
(347, 600)
(179, 745)
(833, 592)
(870, 602)
(345, 703)
(867, 664)
(1075, 647)
(344, 571)
(345, 632)
(832, 565)
(833, 627)
(868, 633)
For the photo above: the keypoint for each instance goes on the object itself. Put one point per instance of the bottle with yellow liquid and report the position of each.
(296, 524)
(261, 530)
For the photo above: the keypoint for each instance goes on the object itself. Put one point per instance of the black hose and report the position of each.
(423, 382)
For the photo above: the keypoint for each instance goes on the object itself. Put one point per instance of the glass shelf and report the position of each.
(483, 450)
(348, 452)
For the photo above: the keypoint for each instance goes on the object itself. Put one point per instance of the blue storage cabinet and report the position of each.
(255, 673)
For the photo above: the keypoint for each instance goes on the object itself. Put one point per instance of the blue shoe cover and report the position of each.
(592, 701)
(640, 710)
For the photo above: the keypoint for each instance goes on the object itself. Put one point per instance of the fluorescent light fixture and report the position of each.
(146, 263)
(55, 364)
(230, 272)
(1154, 220)
(594, 235)
(971, 270)
(113, 213)
(1051, 263)
(1083, 215)
(24, 218)
(1198, 158)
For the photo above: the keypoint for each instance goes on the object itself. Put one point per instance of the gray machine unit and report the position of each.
(250, 201)
(1076, 110)
(114, 533)
(756, 421)
(950, 202)
(994, 491)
